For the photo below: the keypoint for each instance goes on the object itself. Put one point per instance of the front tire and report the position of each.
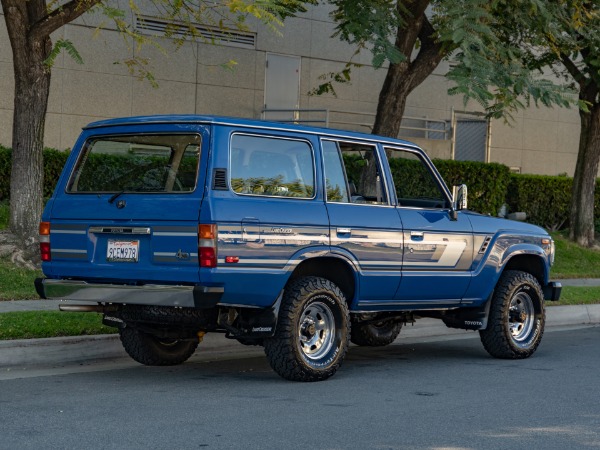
(374, 334)
(516, 320)
(312, 332)
(154, 351)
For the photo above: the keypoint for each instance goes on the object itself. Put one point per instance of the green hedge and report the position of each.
(545, 199)
(487, 183)
(4, 173)
(54, 160)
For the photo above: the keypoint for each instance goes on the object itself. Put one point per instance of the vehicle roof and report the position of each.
(248, 123)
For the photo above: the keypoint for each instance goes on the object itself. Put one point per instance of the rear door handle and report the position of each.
(416, 235)
(344, 230)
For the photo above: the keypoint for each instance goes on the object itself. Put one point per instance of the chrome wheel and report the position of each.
(516, 319)
(312, 331)
(521, 318)
(316, 333)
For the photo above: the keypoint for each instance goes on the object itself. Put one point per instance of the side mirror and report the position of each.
(460, 197)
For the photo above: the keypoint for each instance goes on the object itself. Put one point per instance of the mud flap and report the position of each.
(249, 322)
(469, 318)
(112, 321)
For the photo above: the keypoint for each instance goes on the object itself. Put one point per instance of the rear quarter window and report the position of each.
(270, 166)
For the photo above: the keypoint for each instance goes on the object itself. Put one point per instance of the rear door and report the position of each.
(128, 209)
(365, 227)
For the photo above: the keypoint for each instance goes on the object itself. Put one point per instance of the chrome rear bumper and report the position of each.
(148, 294)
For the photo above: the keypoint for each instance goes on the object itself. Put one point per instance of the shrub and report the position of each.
(544, 198)
(4, 173)
(54, 160)
(487, 182)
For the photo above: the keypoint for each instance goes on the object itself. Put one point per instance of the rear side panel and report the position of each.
(104, 230)
(270, 217)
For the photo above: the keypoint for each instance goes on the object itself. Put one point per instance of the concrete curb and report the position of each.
(86, 349)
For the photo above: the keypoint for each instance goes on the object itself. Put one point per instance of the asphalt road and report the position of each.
(416, 394)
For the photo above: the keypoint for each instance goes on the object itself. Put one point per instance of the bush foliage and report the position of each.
(545, 199)
(54, 160)
(487, 183)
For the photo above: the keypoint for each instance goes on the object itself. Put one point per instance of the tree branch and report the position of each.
(577, 74)
(428, 57)
(60, 16)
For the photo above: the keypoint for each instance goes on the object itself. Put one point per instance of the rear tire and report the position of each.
(516, 321)
(311, 339)
(154, 351)
(374, 334)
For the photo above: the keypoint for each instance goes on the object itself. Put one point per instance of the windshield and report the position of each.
(137, 163)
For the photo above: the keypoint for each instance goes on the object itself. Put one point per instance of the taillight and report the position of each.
(45, 241)
(207, 245)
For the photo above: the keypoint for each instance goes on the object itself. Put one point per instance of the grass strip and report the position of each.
(578, 295)
(45, 324)
(17, 283)
(573, 261)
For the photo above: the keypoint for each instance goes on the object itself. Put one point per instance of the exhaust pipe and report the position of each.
(82, 308)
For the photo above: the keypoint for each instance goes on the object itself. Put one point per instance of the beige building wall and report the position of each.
(543, 140)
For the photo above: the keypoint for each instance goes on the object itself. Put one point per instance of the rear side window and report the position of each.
(137, 163)
(272, 166)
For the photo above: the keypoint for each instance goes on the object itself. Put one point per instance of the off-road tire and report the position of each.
(153, 351)
(312, 333)
(516, 320)
(374, 334)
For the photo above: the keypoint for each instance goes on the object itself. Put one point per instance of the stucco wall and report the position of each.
(190, 80)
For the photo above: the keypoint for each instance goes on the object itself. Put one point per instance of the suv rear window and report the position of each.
(137, 163)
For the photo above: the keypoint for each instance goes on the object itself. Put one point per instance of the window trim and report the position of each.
(384, 180)
(270, 136)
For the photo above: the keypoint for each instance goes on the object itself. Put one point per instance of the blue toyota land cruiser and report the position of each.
(298, 239)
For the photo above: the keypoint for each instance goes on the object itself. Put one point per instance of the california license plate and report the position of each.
(122, 251)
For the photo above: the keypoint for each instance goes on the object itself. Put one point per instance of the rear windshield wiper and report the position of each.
(114, 196)
(139, 189)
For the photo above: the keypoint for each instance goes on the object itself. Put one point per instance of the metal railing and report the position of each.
(432, 129)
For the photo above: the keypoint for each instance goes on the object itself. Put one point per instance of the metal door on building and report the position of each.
(470, 140)
(282, 87)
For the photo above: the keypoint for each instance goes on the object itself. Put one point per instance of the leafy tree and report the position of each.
(30, 24)
(499, 48)
(414, 36)
(563, 36)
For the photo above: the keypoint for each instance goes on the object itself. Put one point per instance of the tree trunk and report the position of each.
(400, 81)
(402, 78)
(392, 100)
(584, 180)
(32, 86)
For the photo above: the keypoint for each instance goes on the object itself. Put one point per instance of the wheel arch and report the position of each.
(532, 263)
(335, 269)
